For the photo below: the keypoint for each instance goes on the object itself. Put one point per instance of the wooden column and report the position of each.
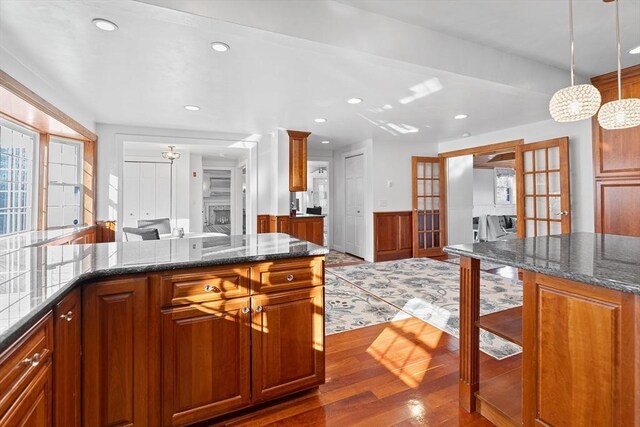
(469, 332)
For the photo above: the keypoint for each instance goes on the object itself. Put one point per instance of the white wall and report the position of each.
(484, 195)
(392, 162)
(581, 159)
(195, 193)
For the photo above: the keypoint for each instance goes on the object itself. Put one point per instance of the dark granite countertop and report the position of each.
(34, 279)
(604, 260)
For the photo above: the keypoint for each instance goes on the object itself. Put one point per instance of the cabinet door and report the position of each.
(131, 188)
(66, 364)
(287, 342)
(162, 189)
(115, 352)
(147, 191)
(297, 160)
(34, 404)
(205, 354)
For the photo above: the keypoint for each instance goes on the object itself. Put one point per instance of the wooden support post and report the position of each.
(469, 332)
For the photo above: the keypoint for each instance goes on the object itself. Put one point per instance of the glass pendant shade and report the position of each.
(620, 114)
(574, 103)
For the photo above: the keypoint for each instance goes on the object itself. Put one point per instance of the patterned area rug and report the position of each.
(430, 291)
(341, 258)
(484, 265)
(348, 307)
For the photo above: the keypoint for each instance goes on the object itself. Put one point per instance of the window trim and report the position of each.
(512, 202)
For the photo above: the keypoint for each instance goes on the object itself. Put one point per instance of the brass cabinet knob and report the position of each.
(290, 278)
(211, 288)
(68, 317)
(245, 310)
(258, 309)
(33, 360)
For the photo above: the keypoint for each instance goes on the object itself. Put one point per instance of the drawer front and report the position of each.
(286, 275)
(21, 362)
(201, 286)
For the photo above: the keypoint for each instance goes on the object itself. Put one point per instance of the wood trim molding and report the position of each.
(484, 149)
(43, 181)
(611, 79)
(26, 94)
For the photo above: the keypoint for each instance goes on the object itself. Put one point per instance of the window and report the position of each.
(505, 180)
(17, 152)
(64, 198)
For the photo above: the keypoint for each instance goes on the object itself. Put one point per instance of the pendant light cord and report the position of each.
(618, 47)
(573, 64)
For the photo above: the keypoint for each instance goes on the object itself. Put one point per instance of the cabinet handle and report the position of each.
(211, 288)
(245, 310)
(258, 309)
(33, 360)
(67, 316)
(290, 278)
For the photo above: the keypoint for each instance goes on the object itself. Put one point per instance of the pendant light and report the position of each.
(576, 102)
(621, 113)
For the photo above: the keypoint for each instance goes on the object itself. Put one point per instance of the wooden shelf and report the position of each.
(500, 398)
(506, 324)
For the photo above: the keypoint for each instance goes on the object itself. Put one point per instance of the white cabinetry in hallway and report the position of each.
(146, 190)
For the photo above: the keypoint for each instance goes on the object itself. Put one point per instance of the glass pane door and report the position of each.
(543, 171)
(427, 220)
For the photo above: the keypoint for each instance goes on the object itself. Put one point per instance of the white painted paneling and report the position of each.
(460, 200)
(147, 191)
(162, 187)
(131, 182)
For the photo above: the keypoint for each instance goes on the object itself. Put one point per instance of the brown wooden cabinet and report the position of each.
(392, 235)
(287, 342)
(33, 408)
(298, 160)
(205, 360)
(115, 331)
(310, 229)
(67, 360)
(616, 158)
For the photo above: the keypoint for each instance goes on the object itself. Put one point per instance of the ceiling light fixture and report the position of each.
(325, 142)
(576, 102)
(191, 107)
(104, 25)
(621, 113)
(460, 116)
(635, 50)
(220, 46)
(171, 155)
(466, 134)
(320, 120)
(354, 100)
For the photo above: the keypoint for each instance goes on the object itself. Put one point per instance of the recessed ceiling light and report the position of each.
(325, 142)
(466, 134)
(104, 25)
(220, 47)
(460, 116)
(191, 107)
(635, 50)
(320, 120)
(354, 100)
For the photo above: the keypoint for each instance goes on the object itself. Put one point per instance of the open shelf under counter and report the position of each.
(500, 398)
(506, 324)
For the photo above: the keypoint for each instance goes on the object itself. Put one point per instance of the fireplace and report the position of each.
(219, 215)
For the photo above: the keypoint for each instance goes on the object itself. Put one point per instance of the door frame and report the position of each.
(482, 149)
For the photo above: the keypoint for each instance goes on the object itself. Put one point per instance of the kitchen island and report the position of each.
(579, 328)
(172, 331)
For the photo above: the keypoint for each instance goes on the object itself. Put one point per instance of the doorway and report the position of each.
(354, 205)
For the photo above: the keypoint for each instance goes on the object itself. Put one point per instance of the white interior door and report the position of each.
(460, 200)
(162, 190)
(147, 191)
(354, 205)
(131, 186)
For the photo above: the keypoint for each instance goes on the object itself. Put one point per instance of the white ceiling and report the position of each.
(537, 29)
(159, 60)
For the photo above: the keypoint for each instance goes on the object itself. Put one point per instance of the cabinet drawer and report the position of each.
(210, 285)
(21, 362)
(294, 274)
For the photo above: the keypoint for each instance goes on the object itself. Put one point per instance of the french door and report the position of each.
(544, 202)
(429, 235)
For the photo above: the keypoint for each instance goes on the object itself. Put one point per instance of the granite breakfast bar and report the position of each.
(579, 327)
(171, 332)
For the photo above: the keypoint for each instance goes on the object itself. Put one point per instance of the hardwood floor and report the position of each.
(402, 373)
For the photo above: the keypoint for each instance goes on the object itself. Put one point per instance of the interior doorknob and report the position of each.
(563, 213)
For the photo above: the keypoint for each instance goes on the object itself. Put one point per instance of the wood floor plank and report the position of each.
(402, 373)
